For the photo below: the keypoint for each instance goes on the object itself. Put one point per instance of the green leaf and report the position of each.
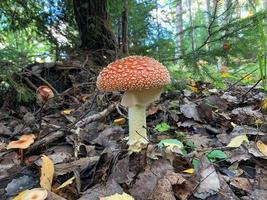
(190, 144)
(171, 143)
(215, 155)
(162, 127)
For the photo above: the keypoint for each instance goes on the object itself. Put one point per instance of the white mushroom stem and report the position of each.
(136, 101)
(137, 125)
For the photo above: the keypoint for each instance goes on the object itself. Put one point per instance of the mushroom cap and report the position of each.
(44, 93)
(133, 73)
(35, 194)
(23, 143)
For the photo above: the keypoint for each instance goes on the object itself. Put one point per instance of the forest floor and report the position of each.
(209, 144)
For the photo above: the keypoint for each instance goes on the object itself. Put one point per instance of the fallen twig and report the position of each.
(49, 138)
(97, 116)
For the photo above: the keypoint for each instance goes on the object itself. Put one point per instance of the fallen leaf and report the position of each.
(189, 171)
(100, 189)
(252, 148)
(47, 173)
(171, 143)
(238, 140)
(264, 104)
(244, 184)
(208, 178)
(193, 87)
(119, 121)
(258, 122)
(67, 182)
(67, 111)
(246, 115)
(19, 184)
(190, 111)
(146, 181)
(248, 130)
(162, 127)
(117, 196)
(262, 147)
(200, 141)
(163, 189)
(216, 154)
(20, 195)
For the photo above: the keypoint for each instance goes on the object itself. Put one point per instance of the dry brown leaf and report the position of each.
(47, 173)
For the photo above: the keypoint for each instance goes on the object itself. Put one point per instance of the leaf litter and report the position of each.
(202, 145)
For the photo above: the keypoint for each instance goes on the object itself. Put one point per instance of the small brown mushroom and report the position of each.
(22, 143)
(35, 194)
(44, 93)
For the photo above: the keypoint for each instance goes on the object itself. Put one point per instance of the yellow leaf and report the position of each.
(117, 196)
(47, 173)
(238, 140)
(258, 122)
(248, 77)
(120, 121)
(194, 87)
(262, 147)
(225, 75)
(189, 171)
(264, 104)
(67, 111)
(67, 182)
(20, 195)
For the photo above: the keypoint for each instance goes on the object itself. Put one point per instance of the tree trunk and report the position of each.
(158, 31)
(264, 6)
(119, 35)
(93, 25)
(208, 19)
(179, 27)
(193, 44)
(125, 49)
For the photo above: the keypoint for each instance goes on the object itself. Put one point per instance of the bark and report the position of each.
(119, 35)
(125, 49)
(192, 26)
(179, 27)
(264, 6)
(93, 25)
(208, 19)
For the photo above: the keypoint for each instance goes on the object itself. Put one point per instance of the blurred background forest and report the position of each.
(221, 41)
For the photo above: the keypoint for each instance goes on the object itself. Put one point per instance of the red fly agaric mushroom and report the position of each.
(44, 93)
(142, 79)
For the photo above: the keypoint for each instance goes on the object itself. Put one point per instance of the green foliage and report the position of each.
(162, 127)
(171, 143)
(31, 29)
(262, 53)
(19, 46)
(215, 155)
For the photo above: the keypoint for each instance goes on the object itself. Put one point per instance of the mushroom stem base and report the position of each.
(137, 128)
